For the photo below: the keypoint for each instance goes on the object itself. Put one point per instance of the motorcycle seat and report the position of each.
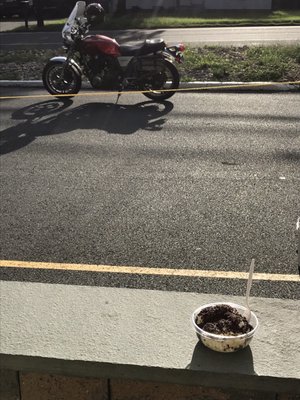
(147, 47)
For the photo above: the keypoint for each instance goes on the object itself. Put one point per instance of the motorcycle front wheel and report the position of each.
(162, 84)
(60, 79)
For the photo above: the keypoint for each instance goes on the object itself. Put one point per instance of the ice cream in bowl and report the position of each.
(223, 326)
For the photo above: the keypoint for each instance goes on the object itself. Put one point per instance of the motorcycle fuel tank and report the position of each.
(95, 44)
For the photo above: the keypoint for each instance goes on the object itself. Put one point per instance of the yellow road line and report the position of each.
(224, 86)
(120, 269)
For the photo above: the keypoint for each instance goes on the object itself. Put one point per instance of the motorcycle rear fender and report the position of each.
(72, 63)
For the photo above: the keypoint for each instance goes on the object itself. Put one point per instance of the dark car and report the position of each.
(51, 8)
(8, 8)
(56, 8)
(64, 7)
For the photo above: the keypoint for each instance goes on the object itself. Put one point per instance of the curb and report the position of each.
(244, 86)
(235, 86)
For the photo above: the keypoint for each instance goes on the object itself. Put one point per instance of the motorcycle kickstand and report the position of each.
(120, 91)
(119, 95)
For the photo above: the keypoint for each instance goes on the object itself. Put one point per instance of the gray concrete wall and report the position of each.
(238, 4)
(202, 4)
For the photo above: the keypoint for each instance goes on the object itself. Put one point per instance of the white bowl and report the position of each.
(222, 343)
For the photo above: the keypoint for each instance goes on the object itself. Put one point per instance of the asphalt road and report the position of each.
(203, 181)
(237, 36)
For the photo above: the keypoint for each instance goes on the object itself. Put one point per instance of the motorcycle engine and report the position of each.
(103, 74)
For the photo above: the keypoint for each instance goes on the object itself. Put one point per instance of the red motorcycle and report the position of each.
(147, 67)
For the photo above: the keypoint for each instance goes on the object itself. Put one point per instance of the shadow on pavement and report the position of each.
(53, 117)
(240, 362)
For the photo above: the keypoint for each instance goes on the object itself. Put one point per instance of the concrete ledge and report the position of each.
(213, 85)
(142, 335)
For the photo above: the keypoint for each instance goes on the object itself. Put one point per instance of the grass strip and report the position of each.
(209, 19)
(164, 20)
(209, 63)
(242, 64)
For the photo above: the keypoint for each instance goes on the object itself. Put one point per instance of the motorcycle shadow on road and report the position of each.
(56, 117)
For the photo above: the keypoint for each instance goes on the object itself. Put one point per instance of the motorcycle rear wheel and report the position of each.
(162, 81)
(60, 80)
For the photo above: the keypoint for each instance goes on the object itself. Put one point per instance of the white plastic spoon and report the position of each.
(247, 312)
